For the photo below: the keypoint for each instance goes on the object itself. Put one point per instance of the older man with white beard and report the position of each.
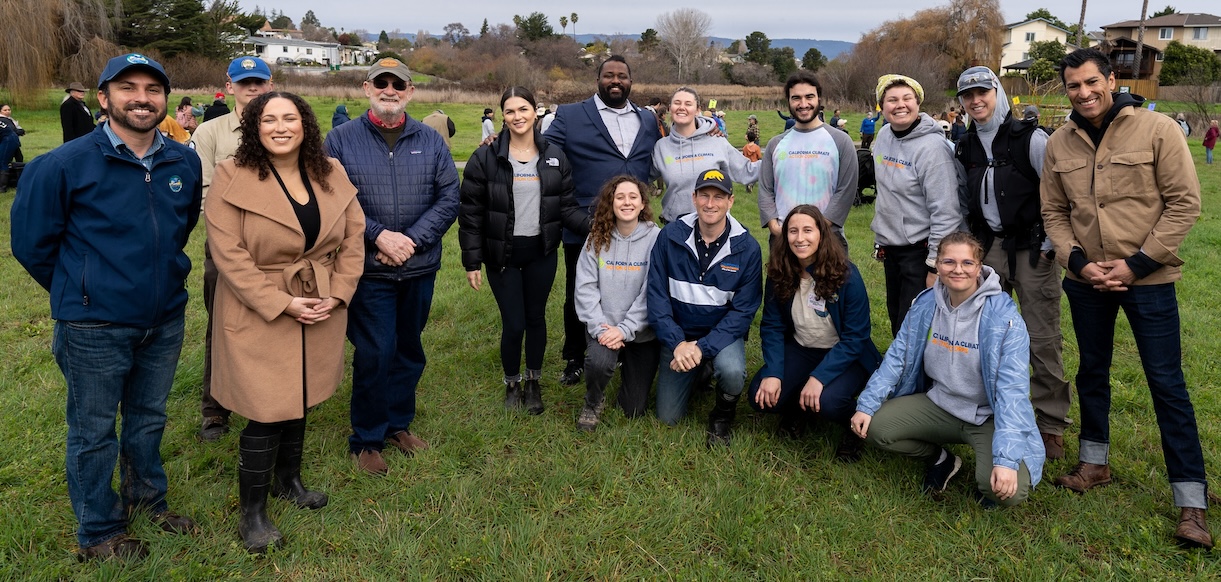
(409, 191)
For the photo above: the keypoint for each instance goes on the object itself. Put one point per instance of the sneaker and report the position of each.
(120, 546)
(370, 462)
(572, 373)
(588, 421)
(174, 523)
(213, 428)
(939, 474)
(406, 442)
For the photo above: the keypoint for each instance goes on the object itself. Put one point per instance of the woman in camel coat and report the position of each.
(289, 251)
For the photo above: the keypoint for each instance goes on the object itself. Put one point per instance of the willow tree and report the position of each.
(53, 40)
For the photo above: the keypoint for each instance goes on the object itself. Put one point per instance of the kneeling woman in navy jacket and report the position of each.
(817, 349)
(516, 194)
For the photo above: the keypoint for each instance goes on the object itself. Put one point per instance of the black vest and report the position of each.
(1015, 184)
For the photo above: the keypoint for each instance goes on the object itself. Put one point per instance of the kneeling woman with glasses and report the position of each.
(957, 372)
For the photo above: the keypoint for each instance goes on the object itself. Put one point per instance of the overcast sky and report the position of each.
(821, 20)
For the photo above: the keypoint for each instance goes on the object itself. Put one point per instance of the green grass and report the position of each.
(515, 497)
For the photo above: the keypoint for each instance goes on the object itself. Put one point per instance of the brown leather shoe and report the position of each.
(120, 546)
(1193, 529)
(407, 442)
(1085, 476)
(371, 462)
(174, 523)
(1053, 444)
(212, 428)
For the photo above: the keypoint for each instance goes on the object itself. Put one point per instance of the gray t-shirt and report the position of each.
(527, 197)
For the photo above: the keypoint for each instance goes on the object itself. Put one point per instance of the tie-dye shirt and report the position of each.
(815, 167)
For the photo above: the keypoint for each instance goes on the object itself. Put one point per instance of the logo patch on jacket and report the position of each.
(416, 152)
(553, 162)
(176, 184)
(729, 268)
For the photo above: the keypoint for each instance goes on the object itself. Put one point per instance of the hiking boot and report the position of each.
(213, 428)
(371, 462)
(588, 421)
(174, 523)
(1085, 476)
(406, 442)
(120, 546)
(720, 420)
(1192, 531)
(1053, 444)
(939, 474)
(572, 373)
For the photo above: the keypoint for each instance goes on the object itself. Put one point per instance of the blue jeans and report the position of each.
(674, 388)
(112, 368)
(385, 321)
(1153, 312)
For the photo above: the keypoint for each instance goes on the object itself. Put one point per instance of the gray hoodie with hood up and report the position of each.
(679, 160)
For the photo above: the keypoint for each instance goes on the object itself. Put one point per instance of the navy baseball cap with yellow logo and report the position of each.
(714, 179)
(243, 68)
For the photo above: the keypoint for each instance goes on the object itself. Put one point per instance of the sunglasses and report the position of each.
(398, 84)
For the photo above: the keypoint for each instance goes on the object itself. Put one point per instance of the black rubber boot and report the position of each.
(721, 419)
(254, 474)
(4, 181)
(287, 484)
(534, 394)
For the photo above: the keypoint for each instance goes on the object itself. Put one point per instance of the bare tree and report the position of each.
(53, 40)
(684, 36)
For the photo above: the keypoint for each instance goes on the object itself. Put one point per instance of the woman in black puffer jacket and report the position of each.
(516, 197)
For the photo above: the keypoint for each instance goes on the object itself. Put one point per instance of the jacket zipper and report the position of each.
(84, 291)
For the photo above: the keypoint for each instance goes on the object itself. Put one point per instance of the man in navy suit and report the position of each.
(603, 136)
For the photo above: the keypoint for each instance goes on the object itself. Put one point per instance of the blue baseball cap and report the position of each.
(248, 67)
(119, 64)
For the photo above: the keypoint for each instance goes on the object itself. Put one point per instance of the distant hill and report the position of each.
(829, 48)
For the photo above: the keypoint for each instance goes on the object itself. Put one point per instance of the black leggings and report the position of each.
(521, 290)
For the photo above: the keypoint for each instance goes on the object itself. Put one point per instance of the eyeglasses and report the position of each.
(951, 264)
(398, 84)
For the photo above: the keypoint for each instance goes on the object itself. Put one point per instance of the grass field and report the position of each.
(514, 497)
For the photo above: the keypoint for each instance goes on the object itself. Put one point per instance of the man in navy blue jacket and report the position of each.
(408, 188)
(603, 136)
(705, 285)
(101, 223)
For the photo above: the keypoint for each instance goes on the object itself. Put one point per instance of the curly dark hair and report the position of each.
(603, 221)
(830, 259)
(252, 154)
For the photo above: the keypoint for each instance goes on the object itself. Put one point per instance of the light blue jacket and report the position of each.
(1004, 347)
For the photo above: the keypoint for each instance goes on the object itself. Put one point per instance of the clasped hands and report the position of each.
(687, 355)
(394, 248)
(1109, 275)
(311, 310)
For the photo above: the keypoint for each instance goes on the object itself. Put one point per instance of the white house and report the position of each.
(1019, 35)
(278, 50)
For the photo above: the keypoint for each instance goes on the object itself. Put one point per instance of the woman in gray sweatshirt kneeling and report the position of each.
(610, 300)
(957, 373)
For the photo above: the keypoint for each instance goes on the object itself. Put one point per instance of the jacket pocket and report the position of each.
(1076, 179)
(1132, 174)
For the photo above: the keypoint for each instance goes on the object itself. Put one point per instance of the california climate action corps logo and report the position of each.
(176, 184)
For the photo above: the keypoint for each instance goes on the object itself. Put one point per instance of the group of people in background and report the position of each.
(312, 240)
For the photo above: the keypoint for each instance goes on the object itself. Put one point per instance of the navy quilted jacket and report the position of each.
(412, 190)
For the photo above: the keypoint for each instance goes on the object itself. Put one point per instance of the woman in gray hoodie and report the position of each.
(610, 300)
(691, 148)
(957, 373)
(917, 204)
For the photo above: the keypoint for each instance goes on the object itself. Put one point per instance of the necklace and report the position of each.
(524, 150)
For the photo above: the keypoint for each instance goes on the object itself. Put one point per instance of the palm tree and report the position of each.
(1081, 27)
(564, 23)
(1140, 40)
(573, 20)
